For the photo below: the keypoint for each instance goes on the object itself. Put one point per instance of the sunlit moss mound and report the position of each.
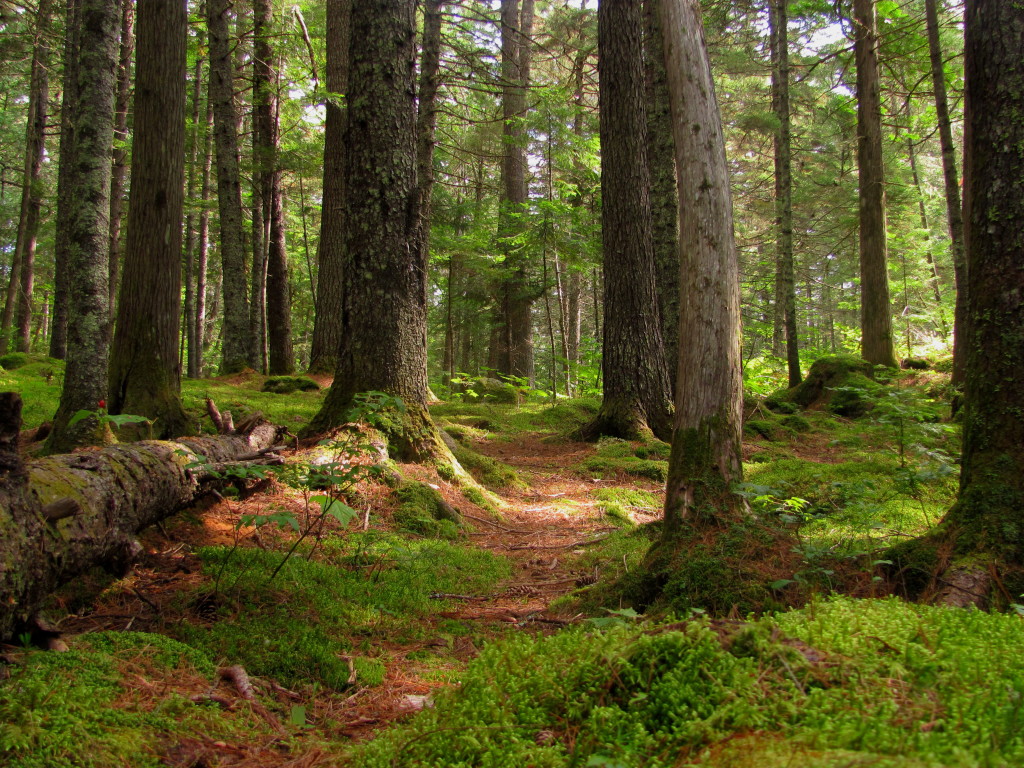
(839, 683)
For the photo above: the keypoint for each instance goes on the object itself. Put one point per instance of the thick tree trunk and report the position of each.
(236, 343)
(705, 458)
(65, 176)
(778, 28)
(323, 356)
(876, 312)
(88, 228)
(64, 515)
(384, 288)
(664, 192)
(145, 372)
(637, 399)
(954, 212)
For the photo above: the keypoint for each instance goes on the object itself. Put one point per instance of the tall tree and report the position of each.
(145, 375)
(785, 282)
(876, 312)
(327, 324)
(637, 399)
(271, 243)
(954, 212)
(426, 117)
(512, 345)
(19, 289)
(984, 530)
(122, 103)
(705, 457)
(384, 300)
(236, 343)
(86, 228)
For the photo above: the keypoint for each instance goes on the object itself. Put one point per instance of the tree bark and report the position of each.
(637, 399)
(195, 179)
(876, 312)
(62, 515)
(119, 167)
(778, 29)
(954, 211)
(236, 343)
(705, 459)
(145, 373)
(426, 118)
(327, 324)
(88, 227)
(384, 289)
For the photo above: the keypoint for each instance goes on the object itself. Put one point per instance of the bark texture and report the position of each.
(323, 356)
(636, 399)
(62, 515)
(145, 374)
(87, 226)
(383, 317)
(705, 457)
(119, 167)
(876, 312)
(236, 344)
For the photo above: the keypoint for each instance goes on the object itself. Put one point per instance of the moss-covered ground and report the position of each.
(499, 613)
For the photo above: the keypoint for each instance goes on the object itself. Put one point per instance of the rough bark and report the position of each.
(664, 192)
(426, 117)
(195, 362)
(65, 176)
(637, 399)
(327, 324)
(236, 344)
(954, 212)
(145, 373)
(191, 244)
(512, 350)
(119, 168)
(62, 515)
(876, 312)
(383, 341)
(705, 457)
(88, 227)
(778, 28)
(19, 289)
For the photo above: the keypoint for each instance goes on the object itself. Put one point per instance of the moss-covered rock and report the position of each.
(424, 511)
(490, 473)
(839, 383)
(285, 385)
(493, 391)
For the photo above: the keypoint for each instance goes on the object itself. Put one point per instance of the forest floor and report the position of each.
(487, 644)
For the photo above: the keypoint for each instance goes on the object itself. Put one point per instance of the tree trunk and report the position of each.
(983, 533)
(145, 374)
(119, 167)
(195, 362)
(705, 459)
(63, 515)
(88, 227)
(65, 182)
(876, 312)
(236, 344)
(664, 193)
(384, 289)
(19, 290)
(426, 118)
(195, 173)
(323, 356)
(512, 355)
(778, 29)
(637, 399)
(954, 212)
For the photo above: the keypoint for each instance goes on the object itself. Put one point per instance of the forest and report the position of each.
(511, 383)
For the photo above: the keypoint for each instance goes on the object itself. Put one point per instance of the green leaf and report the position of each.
(79, 416)
(780, 583)
(343, 513)
(297, 716)
(120, 419)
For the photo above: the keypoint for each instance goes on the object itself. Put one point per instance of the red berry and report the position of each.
(103, 403)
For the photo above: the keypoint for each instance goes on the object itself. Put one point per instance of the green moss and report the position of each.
(286, 385)
(425, 512)
(489, 472)
(608, 467)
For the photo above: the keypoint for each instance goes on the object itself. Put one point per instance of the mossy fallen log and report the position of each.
(63, 515)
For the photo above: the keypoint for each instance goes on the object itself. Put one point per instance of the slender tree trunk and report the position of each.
(926, 226)
(195, 361)
(236, 344)
(778, 29)
(145, 374)
(119, 169)
(88, 226)
(195, 170)
(705, 458)
(65, 175)
(954, 212)
(876, 311)
(327, 323)
(664, 192)
(384, 318)
(637, 399)
(19, 289)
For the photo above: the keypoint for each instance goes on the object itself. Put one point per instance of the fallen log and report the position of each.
(63, 515)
